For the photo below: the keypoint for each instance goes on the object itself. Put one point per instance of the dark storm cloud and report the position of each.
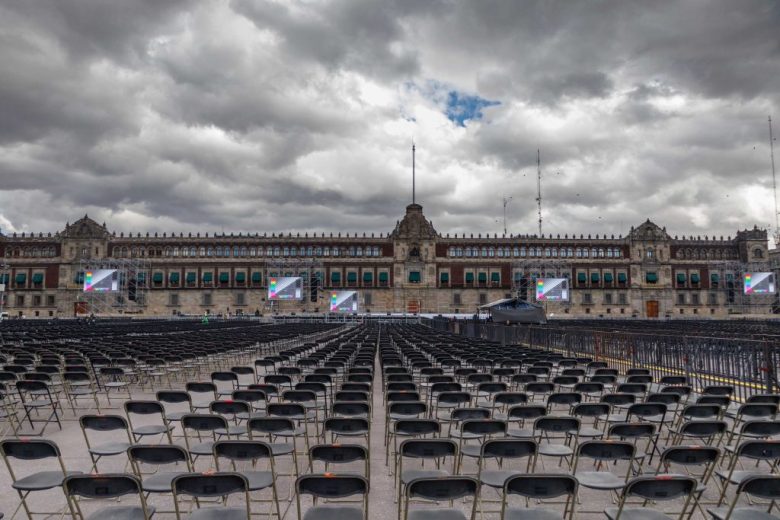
(293, 115)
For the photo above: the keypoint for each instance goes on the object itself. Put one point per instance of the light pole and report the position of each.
(506, 201)
(3, 272)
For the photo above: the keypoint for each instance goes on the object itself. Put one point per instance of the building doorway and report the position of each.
(651, 308)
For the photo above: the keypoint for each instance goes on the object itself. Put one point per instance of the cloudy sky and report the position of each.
(299, 115)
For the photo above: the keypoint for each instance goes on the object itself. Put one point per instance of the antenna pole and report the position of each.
(413, 175)
(774, 178)
(506, 201)
(539, 188)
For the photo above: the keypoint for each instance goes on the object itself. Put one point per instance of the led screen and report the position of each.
(101, 280)
(759, 283)
(344, 301)
(552, 289)
(288, 288)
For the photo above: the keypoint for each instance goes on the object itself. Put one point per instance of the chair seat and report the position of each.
(176, 416)
(233, 430)
(411, 474)
(152, 429)
(333, 513)
(219, 513)
(736, 476)
(741, 513)
(497, 478)
(603, 480)
(281, 448)
(42, 480)
(258, 479)
(457, 434)
(522, 433)
(632, 513)
(121, 513)
(160, 482)
(110, 448)
(402, 416)
(471, 450)
(204, 448)
(532, 514)
(76, 392)
(116, 384)
(555, 450)
(436, 514)
(588, 431)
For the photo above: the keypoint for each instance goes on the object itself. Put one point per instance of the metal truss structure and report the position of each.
(131, 296)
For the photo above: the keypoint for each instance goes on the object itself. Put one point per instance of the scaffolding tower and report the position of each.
(526, 271)
(133, 287)
(311, 270)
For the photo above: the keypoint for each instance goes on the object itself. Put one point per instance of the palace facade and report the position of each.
(413, 269)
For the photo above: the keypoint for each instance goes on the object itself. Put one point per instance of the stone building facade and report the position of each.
(413, 269)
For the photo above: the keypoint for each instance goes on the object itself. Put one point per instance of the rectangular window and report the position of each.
(608, 298)
(456, 299)
(367, 299)
(587, 298)
(622, 299)
(173, 299)
(712, 298)
(19, 301)
(482, 298)
(51, 300)
(240, 298)
(37, 300)
(206, 299)
(695, 299)
(680, 298)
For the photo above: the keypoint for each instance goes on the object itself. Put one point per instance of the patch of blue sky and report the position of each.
(458, 106)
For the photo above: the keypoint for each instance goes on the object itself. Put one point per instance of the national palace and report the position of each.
(413, 269)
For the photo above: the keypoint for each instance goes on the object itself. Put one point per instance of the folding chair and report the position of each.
(604, 453)
(435, 451)
(156, 455)
(506, 452)
(766, 487)
(8, 413)
(35, 396)
(347, 427)
(411, 428)
(32, 452)
(565, 429)
(147, 408)
(330, 454)
(212, 485)
(105, 423)
(77, 386)
(479, 430)
(522, 413)
(272, 428)
(438, 489)
(657, 488)
(206, 429)
(688, 457)
(250, 452)
(755, 451)
(115, 378)
(539, 486)
(332, 487)
(102, 487)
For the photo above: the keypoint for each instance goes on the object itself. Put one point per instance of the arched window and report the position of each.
(293, 251)
(210, 251)
(335, 251)
(601, 252)
(175, 251)
(500, 252)
(758, 253)
(484, 252)
(570, 252)
(218, 251)
(326, 251)
(585, 252)
(318, 251)
(491, 252)
(202, 251)
(376, 251)
(618, 252)
(358, 251)
(555, 252)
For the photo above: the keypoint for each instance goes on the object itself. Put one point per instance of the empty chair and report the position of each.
(756, 452)
(106, 448)
(212, 485)
(102, 487)
(201, 431)
(332, 487)
(449, 488)
(502, 458)
(244, 456)
(148, 409)
(435, 451)
(143, 455)
(656, 488)
(557, 437)
(32, 452)
(339, 454)
(766, 487)
(539, 486)
(605, 454)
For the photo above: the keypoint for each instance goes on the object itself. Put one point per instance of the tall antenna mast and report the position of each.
(413, 175)
(539, 188)
(774, 180)
(506, 201)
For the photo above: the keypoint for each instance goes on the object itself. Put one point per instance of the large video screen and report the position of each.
(287, 288)
(101, 280)
(344, 301)
(759, 283)
(552, 289)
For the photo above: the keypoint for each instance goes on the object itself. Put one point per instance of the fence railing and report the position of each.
(749, 366)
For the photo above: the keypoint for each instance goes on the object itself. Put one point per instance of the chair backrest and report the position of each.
(484, 427)
(173, 396)
(607, 451)
(203, 422)
(541, 486)
(766, 487)
(690, 455)
(103, 423)
(270, 425)
(346, 424)
(465, 414)
(338, 453)
(108, 485)
(442, 488)
(407, 408)
(329, 485)
(428, 448)
(524, 412)
(417, 426)
(551, 424)
(29, 449)
(144, 407)
(158, 454)
(509, 448)
(204, 485)
(760, 450)
(453, 398)
(229, 407)
(631, 430)
(660, 487)
(242, 450)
